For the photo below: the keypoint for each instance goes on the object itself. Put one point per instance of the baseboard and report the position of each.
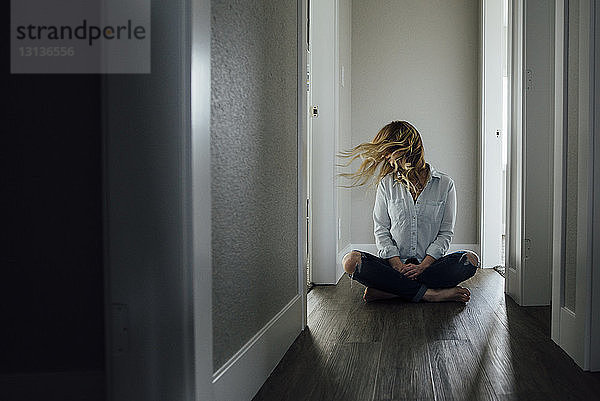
(240, 378)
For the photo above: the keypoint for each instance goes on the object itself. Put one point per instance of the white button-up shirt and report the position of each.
(406, 228)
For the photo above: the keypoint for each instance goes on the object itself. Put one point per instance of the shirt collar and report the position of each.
(434, 172)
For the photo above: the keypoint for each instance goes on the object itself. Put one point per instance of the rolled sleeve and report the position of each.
(435, 251)
(386, 246)
(388, 251)
(440, 245)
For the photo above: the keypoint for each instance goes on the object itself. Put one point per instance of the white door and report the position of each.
(531, 156)
(514, 185)
(573, 294)
(322, 142)
(491, 140)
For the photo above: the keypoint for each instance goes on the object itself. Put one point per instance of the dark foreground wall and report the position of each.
(51, 289)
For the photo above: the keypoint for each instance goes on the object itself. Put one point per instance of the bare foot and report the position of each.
(372, 294)
(455, 294)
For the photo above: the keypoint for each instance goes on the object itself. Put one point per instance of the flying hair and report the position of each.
(398, 141)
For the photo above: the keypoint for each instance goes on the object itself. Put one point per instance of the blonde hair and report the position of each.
(399, 141)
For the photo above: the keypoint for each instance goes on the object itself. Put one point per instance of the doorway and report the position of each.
(522, 239)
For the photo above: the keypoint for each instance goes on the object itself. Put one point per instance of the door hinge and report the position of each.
(529, 79)
(527, 247)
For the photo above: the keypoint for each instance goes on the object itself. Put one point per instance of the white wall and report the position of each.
(417, 60)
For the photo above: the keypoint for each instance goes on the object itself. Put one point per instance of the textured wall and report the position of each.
(417, 60)
(254, 167)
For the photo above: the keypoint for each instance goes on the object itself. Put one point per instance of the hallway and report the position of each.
(159, 222)
(490, 349)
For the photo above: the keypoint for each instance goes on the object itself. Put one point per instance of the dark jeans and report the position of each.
(448, 271)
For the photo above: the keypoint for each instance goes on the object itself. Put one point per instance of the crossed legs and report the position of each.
(438, 283)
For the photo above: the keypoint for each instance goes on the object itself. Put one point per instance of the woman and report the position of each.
(414, 213)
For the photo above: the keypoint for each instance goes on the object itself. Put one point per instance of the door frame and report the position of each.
(574, 331)
(303, 156)
(191, 307)
(489, 251)
(514, 170)
(197, 204)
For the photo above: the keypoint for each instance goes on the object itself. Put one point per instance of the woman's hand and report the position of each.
(397, 264)
(412, 271)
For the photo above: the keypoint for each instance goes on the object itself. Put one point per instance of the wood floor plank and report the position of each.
(491, 344)
(510, 373)
(303, 365)
(442, 321)
(404, 370)
(298, 372)
(344, 296)
(526, 363)
(457, 372)
(364, 326)
(490, 340)
(489, 349)
(328, 326)
(312, 301)
(350, 373)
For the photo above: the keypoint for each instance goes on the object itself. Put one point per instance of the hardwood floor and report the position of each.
(489, 349)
